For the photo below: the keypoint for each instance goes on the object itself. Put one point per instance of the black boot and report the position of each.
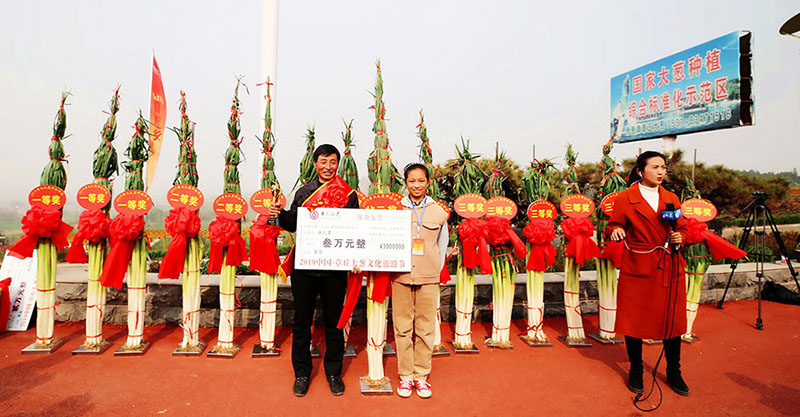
(672, 351)
(634, 347)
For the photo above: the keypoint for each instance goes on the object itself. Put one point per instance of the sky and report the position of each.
(517, 73)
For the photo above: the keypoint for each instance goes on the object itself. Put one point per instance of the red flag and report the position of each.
(158, 119)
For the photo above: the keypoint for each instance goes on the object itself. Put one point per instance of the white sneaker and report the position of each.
(404, 390)
(423, 389)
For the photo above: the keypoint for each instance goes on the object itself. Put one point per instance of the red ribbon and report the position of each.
(353, 289)
(181, 224)
(474, 249)
(39, 223)
(613, 252)
(225, 233)
(380, 286)
(697, 232)
(123, 232)
(5, 303)
(288, 263)
(263, 246)
(92, 226)
(580, 245)
(540, 235)
(444, 274)
(500, 233)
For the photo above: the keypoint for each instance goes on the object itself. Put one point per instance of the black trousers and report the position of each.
(672, 353)
(331, 287)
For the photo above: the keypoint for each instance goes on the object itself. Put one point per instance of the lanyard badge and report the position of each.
(418, 244)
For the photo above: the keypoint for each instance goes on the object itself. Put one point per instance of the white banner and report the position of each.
(338, 239)
(22, 289)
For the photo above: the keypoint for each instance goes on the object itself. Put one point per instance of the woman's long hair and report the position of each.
(641, 163)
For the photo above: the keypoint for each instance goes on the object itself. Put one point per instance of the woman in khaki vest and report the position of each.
(414, 293)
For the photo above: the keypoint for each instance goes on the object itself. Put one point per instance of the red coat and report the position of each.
(647, 294)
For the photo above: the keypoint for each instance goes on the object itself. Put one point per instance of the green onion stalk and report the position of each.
(468, 179)
(606, 270)
(383, 179)
(53, 174)
(269, 282)
(190, 277)
(137, 153)
(426, 156)
(104, 165)
(698, 259)
(349, 173)
(307, 171)
(503, 271)
(571, 270)
(227, 279)
(535, 187)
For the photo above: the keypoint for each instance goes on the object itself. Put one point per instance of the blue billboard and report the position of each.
(708, 86)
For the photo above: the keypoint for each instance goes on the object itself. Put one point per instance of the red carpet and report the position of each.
(733, 370)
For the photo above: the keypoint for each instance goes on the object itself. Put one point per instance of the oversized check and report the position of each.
(338, 239)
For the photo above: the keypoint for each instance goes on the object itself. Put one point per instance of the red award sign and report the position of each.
(133, 202)
(361, 198)
(607, 205)
(502, 207)
(230, 206)
(93, 196)
(262, 199)
(47, 197)
(577, 206)
(382, 201)
(470, 206)
(443, 206)
(542, 209)
(699, 209)
(185, 195)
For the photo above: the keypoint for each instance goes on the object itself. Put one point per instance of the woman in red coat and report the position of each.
(652, 287)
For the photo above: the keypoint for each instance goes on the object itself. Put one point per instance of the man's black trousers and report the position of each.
(331, 287)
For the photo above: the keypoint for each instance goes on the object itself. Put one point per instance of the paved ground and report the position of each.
(733, 370)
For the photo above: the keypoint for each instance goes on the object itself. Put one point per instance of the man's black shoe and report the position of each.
(336, 384)
(676, 382)
(300, 386)
(635, 383)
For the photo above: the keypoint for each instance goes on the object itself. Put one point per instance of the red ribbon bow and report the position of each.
(123, 232)
(580, 245)
(5, 303)
(474, 249)
(263, 246)
(500, 233)
(613, 252)
(225, 233)
(182, 224)
(353, 289)
(698, 232)
(92, 226)
(37, 224)
(540, 235)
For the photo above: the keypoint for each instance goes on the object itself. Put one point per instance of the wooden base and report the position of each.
(388, 350)
(349, 351)
(93, 350)
(691, 339)
(33, 348)
(535, 342)
(652, 341)
(373, 389)
(133, 351)
(574, 343)
(260, 351)
(440, 350)
(471, 349)
(495, 345)
(596, 336)
(191, 351)
(227, 353)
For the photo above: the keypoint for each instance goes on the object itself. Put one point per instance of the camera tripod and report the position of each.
(759, 217)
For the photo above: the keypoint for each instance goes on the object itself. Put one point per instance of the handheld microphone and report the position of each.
(671, 215)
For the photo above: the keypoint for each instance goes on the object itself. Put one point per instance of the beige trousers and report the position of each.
(414, 312)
